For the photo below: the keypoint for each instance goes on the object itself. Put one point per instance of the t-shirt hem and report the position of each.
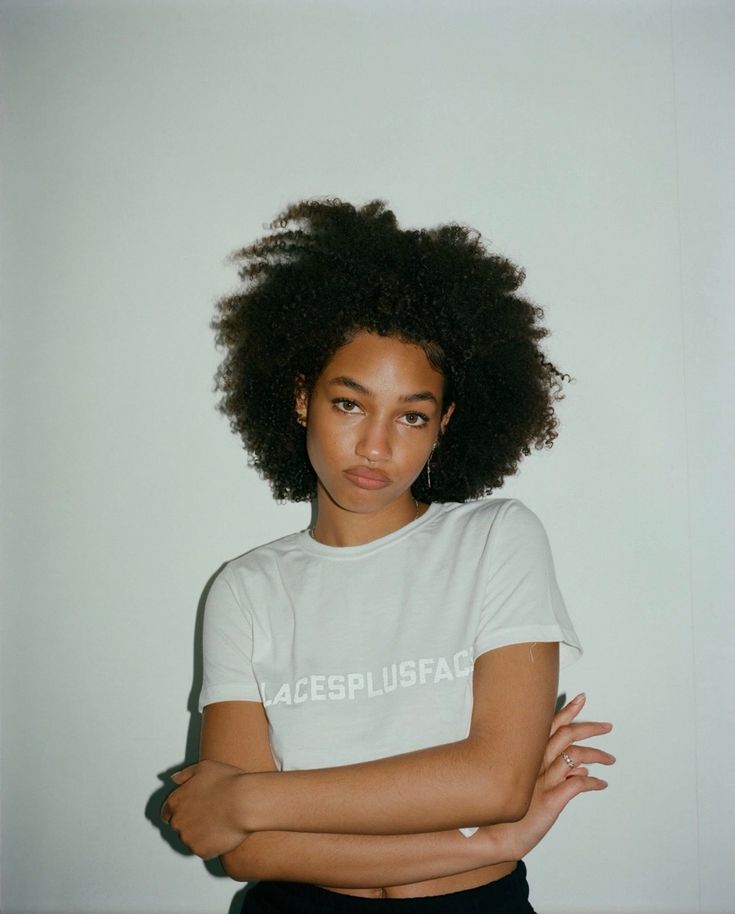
(227, 693)
(570, 650)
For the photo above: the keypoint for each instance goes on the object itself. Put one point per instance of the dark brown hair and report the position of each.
(328, 269)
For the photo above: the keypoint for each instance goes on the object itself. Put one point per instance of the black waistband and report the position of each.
(509, 893)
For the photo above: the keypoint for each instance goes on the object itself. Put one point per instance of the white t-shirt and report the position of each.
(362, 652)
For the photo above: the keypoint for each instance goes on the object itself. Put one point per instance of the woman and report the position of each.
(379, 689)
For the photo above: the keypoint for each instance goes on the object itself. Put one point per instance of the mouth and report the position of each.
(366, 478)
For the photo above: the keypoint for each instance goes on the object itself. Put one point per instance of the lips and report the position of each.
(367, 478)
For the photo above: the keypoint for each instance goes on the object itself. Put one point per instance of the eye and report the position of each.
(343, 405)
(415, 420)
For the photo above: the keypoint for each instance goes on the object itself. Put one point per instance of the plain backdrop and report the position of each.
(143, 142)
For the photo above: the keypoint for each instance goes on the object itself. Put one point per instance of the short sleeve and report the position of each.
(227, 646)
(522, 598)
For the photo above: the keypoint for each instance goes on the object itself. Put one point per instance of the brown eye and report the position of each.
(416, 420)
(344, 406)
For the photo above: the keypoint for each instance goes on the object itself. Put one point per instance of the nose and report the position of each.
(374, 442)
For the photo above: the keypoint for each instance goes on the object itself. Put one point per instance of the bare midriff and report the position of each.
(440, 886)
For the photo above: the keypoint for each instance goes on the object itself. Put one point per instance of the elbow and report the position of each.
(236, 868)
(517, 807)
(243, 864)
(511, 803)
(507, 811)
(519, 796)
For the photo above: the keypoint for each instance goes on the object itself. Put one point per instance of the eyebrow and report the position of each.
(422, 395)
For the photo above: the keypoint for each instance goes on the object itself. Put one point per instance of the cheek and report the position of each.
(422, 454)
(414, 447)
(324, 444)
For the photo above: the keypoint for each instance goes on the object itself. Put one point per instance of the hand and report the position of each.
(557, 782)
(203, 809)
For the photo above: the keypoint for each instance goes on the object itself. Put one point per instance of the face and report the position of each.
(372, 420)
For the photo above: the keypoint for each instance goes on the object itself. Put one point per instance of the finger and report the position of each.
(585, 755)
(165, 813)
(590, 783)
(591, 755)
(572, 786)
(560, 768)
(568, 734)
(182, 776)
(567, 714)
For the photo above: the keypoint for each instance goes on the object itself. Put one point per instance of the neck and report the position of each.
(336, 526)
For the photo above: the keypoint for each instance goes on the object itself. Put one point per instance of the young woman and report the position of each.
(379, 689)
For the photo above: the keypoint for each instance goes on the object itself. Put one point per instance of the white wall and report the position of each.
(141, 143)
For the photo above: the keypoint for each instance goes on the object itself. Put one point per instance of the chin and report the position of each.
(360, 501)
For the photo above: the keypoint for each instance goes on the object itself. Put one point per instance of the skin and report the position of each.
(378, 407)
(421, 864)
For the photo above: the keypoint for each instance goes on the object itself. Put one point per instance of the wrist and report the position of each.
(248, 803)
(481, 847)
(500, 844)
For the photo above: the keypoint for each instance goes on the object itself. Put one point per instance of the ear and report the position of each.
(301, 399)
(445, 419)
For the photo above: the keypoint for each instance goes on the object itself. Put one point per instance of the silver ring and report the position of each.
(568, 760)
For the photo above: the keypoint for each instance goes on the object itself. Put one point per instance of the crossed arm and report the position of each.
(394, 820)
(346, 860)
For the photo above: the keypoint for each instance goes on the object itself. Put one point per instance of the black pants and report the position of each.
(508, 895)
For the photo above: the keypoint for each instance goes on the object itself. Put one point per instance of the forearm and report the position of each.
(362, 861)
(436, 789)
(484, 779)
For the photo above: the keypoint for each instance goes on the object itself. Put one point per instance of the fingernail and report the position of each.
(579, 699)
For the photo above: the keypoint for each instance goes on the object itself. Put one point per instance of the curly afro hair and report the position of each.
(328, 270)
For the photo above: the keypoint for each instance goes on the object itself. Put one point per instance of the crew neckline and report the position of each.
(309, 544)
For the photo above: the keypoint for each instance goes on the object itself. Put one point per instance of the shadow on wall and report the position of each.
(191, 755)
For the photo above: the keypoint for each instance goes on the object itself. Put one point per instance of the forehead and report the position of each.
(384, 363)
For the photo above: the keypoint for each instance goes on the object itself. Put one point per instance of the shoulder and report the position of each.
(261, 563)
(262, 556)
(489, 514)
(501, 528)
